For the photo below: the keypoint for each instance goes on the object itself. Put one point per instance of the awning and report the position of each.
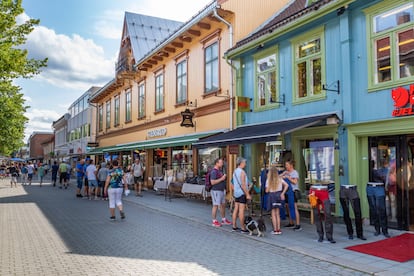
(174, 141)
(259, 133)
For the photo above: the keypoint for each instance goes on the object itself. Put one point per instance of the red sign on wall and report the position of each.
(403, 101)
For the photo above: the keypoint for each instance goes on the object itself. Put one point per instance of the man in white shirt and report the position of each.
(92, 181)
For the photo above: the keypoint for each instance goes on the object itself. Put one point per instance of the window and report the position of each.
(181, 82)
(309, 66)
(266, 82)
(108, 114)
(392, 41)
(128, 105)
(159, 92)
(100, 117)
(141, 100)
(211, 70)
(116, 110)
(86, 130)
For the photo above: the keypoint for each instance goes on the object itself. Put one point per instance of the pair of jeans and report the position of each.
(349, 195)
(323, 201)
(376, 201)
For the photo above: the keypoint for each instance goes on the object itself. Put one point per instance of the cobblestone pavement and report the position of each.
(48, 231)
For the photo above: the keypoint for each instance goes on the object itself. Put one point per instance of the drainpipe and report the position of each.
(230, 27)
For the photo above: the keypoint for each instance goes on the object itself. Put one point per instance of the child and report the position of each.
(276, 187)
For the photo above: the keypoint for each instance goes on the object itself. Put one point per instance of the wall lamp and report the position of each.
(341, 10)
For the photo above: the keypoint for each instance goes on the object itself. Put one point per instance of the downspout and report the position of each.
(230, 27)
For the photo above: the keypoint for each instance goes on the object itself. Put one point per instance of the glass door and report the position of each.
(410, 182)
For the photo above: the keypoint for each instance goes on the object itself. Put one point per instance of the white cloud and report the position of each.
(109, 24)
(73, 61)
(40, 120)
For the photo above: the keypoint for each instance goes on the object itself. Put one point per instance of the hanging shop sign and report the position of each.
(234, 149)
(242, 104)
(403, 101)
(92, 144)
(187, 118)
(157, 132)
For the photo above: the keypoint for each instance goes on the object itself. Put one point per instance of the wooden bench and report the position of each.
(306, 207)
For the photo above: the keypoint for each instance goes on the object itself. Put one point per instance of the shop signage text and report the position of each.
(157, 132)
(403, 101)
(242, 104)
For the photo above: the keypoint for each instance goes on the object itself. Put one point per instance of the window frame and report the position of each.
(208, 41)
(263, 54)
(100, 117)
(117, 110)
(159, 92)
(128, 105)
(108, 111)
(141, 100)
(317, 33)
(392, 34)
(184, 79)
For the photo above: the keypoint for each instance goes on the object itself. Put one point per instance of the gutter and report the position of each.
(230, 27)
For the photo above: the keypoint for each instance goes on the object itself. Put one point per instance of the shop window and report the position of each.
(159, 92)
(116, 110)
(128, 105)
(309, 66)
(206, 159)
(181, 82)
(100, 117)
(182, 159)
(392, 40)
(108, 114)
(319, 157)
(266, 79)
(141, 100)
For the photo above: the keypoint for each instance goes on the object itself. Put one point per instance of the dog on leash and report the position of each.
(255, 226)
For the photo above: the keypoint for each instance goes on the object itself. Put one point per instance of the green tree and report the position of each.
(14, 64)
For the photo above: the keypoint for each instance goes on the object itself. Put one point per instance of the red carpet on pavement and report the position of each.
(399, 248)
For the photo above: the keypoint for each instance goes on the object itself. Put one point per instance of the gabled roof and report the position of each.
(145, 32)
(293, 11)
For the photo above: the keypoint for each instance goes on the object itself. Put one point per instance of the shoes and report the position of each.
(331, 240)
(60, 187)
(112, 218)
(79, 195)
(234, 229)
(274, 232)
(376, 233)
(216, 223)
(277, 232)
(122, 215)
(386, 235)
(290, 225)
(362, 238)
(350, 237)
(245, 231)
(320, 239)
(225, 221)
(138, 195)
(297, 228)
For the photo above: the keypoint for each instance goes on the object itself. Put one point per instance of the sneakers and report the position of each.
(112, 218)
(122, 215)
(290, 225)
(225, 221)
(297, 228)
(235, 229)
(216, 223)
(245, 231)
(277, 232)
(79, 195)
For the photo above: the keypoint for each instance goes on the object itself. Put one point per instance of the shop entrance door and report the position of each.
(390, 163)
(410, 182)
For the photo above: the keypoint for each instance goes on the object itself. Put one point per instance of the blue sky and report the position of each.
(81, 38)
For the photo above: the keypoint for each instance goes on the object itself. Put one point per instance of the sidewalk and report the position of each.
(304, 242)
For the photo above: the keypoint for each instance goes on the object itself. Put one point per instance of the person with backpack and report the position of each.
(217, 180)
(24, 172)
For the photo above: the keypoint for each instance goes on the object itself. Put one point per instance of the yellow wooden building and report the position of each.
(172, 87)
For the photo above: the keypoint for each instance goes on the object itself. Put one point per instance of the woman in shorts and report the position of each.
(276, 187)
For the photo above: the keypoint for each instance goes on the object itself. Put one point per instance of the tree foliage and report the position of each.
(14, 63)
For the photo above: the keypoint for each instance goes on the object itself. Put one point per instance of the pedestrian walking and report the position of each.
(14, 173)
(55, 169)
(85, 179)
(138, 171)
(92, 181)
(63, 170)
(291, 176)
(276, 188)
(102, 175)
(41, 173)
(30, 172)
(24, 172)
(241, 194)
(79, 177)
(113, 188)
(218, 193)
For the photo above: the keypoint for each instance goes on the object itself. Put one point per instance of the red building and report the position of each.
(35, 144)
